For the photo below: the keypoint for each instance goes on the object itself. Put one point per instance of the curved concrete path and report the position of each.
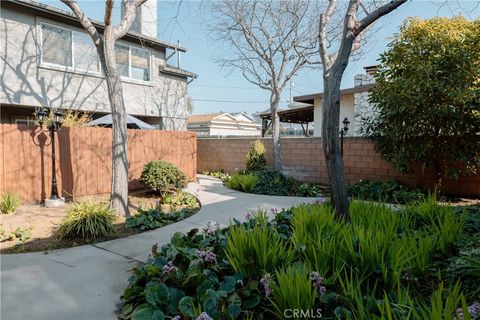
(86, 282)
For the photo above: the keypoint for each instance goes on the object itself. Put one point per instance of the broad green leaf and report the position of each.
(186, 306)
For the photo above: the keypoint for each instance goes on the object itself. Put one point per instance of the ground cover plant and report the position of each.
(417, 263)
(271, 183)
(388, 191)
(220, 174)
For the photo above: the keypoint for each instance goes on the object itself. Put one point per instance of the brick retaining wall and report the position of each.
(303, 159)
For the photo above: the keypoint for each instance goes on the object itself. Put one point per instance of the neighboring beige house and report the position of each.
(354, 103)
(223, 124)
(47, 60)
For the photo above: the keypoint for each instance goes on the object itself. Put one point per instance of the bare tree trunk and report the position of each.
(277, 150)
(331, 142)
(119, 193)
(106, 52)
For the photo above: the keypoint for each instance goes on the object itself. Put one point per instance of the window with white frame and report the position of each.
(133, 62)
(85, 54)
(75, 50)
(56, 45)
(140, 64)
(122, 57)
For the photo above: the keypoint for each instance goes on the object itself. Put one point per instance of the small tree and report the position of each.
(268, 42)
(427, 97)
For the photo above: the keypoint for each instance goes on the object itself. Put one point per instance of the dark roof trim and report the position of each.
(295, 115)
(178, 72)
(70, 18)
(310, 97)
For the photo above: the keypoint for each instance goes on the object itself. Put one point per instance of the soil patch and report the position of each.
(38, 222)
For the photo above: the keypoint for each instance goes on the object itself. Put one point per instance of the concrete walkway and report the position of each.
(86, 282)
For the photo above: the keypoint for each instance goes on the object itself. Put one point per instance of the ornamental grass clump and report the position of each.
(163, 177)
(86, 220)
(9, 203)
(245, 182)
(259, 249)
(293, 290)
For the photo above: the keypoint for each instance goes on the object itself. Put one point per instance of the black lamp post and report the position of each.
(343, 132)
(53, 127)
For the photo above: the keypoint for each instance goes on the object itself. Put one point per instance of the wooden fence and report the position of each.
(83, 159)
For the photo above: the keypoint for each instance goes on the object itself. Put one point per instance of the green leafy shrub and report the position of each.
(391, 192)
(163, 177)
(245, 182)
(180, 198)
(153, 218)
(86, 220)
(426, 97)
(255, 159)
(9, 203)
(271, 183)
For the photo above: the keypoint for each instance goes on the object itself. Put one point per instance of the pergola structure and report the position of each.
(302, 116)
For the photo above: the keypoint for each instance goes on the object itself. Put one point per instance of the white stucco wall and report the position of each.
(363, 108)
(346, 110)
(25, 82)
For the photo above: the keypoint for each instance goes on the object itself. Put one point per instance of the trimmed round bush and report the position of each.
(163, 177)
(86, 220)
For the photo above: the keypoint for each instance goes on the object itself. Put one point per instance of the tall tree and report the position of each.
(439, 128)
(357, 17)
(105, 46)
(268, 41)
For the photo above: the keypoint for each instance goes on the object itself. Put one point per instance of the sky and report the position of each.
(221, 90)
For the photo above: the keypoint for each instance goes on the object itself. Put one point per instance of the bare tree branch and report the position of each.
(378, 13)
(129, 12)
(83, 19)
(323, 23)
(108, 12)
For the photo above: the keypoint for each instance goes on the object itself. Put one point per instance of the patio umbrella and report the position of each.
(132, 122)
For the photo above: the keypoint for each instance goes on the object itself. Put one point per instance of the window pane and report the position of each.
(56, 45)
(140, 64)
(121, 54)
(85, 53)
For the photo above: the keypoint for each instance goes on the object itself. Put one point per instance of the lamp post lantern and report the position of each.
(343, 132)
(53, 126)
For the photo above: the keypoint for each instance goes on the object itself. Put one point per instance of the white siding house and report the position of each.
(223, 124)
